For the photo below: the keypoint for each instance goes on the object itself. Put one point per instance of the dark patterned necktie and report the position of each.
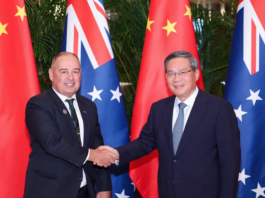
(74, 118)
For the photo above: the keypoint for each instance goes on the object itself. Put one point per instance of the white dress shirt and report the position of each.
(189, 102)
(80, 122)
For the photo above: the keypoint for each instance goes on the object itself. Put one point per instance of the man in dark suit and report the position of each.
(64, 133)
(196, 135)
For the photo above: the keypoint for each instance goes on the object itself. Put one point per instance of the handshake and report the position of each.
(103, 156)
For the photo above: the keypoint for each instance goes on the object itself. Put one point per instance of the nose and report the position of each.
(70, 76)
(177, 77)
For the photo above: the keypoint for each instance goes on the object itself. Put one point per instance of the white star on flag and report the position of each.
(95, 94)
(242, 177)
(239, 113)
(122, 195)
(254, 96)
(133, 186)
(259, 191)
(116, 94)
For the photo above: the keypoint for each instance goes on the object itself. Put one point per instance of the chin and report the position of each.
(178, 92)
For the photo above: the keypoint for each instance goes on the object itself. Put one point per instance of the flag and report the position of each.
(87, 35)
(18, 83)
(245, 90)
(169, 29)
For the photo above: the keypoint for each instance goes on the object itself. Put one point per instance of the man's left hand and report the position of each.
(103, 194)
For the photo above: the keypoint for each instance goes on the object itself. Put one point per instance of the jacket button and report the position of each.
(175, 161)
(173, 182)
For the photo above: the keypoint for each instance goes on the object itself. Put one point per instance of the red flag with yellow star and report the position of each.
(169, 28)
(18, 82)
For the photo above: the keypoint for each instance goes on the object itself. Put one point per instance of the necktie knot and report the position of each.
(70, 101)
(182, 105)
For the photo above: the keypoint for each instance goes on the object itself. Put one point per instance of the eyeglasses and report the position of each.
(172, 74)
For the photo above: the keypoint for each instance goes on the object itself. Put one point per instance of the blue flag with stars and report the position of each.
(86, 34)
(245, 90)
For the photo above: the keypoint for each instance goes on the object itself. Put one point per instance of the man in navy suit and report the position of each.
(64, 133)
(196, 135)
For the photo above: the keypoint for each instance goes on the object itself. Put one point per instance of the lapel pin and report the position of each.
(85, 112)
(64, 111)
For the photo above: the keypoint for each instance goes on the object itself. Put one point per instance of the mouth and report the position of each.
(178, 86)
(69, 84)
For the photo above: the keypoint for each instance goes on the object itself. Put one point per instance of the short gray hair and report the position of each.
(182, 54)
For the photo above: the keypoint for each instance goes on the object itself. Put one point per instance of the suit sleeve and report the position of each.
(228, 143)
(43, 129)
(101, 175)
(141, 146)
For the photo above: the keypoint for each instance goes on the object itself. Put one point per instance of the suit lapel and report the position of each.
(65, 113)
(198, 110)
(167, 120)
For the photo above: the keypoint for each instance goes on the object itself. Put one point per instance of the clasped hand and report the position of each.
(103, 156)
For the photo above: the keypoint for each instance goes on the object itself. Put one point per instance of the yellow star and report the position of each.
(188, 12)
(149, 24)
(3, 29)
(21, 12)
(170, 27)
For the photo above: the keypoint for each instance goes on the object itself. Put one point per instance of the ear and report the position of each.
(50, 74)
(197, 74)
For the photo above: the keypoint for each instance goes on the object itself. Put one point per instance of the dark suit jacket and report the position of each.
(56, 161)
(207, 161)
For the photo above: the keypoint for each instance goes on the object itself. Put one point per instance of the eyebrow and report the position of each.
(183, 69)
(63, 69)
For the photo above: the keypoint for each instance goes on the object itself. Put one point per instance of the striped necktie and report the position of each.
(74, 118)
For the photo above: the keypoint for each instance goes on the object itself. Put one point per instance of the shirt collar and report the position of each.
(190, 101)
(62, 97)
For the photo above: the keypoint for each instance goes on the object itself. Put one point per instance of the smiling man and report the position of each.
(195, 133)
(64, 133)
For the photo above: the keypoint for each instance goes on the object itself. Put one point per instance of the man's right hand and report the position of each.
(103, 156)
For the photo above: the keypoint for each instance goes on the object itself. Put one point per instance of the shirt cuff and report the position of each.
(87, 157)
(117, 162)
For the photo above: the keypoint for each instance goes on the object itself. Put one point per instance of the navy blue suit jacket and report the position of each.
(207, 161)
(56, 161)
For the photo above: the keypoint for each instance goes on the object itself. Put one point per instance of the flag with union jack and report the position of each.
(87, 35)
(245, 90)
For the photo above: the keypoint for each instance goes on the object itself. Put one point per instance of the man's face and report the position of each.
(181, 86)
(65, 75)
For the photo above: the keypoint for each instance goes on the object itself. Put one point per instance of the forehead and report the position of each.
(178, 63)
(66, 62)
